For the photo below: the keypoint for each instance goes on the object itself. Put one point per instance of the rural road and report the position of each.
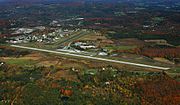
(93, 58)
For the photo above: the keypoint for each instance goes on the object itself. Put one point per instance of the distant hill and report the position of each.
(22, 2)
(41, 1)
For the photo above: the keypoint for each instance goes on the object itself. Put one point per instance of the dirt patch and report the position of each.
(48, 63)
(65, 74)
(163, 60)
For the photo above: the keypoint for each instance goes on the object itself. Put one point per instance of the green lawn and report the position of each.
(176, 70)
(21, 62)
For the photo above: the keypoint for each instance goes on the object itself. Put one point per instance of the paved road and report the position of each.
(93, 58)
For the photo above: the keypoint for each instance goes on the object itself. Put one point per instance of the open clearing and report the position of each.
(92, 58)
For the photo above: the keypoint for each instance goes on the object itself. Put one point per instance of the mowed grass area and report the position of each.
(120, 47)
(22, 62)
(176, 70)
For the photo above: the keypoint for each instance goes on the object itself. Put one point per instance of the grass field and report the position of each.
(120, 47)
(22, 62)
(176, 70)
(172, 40)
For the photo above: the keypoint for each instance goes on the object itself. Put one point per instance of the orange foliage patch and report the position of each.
(160, 52)
(66, 92)
(161, 90)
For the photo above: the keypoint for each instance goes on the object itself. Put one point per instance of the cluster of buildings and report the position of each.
(83, 45)
(87, 45)
(26, 35)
